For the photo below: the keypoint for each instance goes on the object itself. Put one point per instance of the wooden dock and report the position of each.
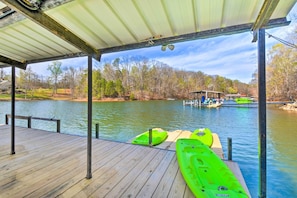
(48, 164)
(174, 135)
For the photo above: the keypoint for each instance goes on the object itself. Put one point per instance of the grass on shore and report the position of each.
(24, 97)
(38, 94)
(47, 94)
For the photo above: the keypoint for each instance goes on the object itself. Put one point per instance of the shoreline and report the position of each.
(284, 105)
(67, 99)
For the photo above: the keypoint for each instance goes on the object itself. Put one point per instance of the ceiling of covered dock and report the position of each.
(72, 28)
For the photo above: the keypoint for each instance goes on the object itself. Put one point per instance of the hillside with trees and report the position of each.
(281, 71)
(132, 78)
(141, 78)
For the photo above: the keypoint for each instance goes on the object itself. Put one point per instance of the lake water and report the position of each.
(122, 121)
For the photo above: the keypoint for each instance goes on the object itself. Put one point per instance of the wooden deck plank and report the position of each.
(49, 164)
(110, 170)
(5, 134)
(23, 173)
(236, 171)
(23, 162)
(172, 136)
(67, 178)
(125, 168)
(31, 139)
(152, 183)
(217, 146)
(166, 182)
(170, 142)
(178, 187)
(28, 183)
(99, 171)
(36, 147)
(123, 184)
(138, 183)
(121, 169)
(183, 134)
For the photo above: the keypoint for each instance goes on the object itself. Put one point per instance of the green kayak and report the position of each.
(204, 172)
(157, 138)
(204, 135)
(243, 100)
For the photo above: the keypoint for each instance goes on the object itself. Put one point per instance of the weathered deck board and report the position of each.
(172, 136)
(121, 186)
(217, 146)
(235, 169)
(48, 164)
(170, 142)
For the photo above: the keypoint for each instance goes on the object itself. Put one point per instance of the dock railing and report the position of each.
(30, 118)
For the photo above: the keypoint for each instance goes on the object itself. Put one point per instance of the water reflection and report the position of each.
(282, 147)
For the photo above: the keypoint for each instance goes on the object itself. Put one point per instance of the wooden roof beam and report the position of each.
(53, 26)
(264, 15)
(9, 62)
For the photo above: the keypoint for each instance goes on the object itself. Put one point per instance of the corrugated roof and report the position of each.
(113, 25)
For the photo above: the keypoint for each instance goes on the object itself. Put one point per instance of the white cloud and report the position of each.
(229, 56)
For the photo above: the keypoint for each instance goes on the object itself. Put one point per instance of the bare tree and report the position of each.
(56, 71)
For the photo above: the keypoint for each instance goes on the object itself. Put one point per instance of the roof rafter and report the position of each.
(10, 62)
(264, 15)
(197, 35)
(53, 26)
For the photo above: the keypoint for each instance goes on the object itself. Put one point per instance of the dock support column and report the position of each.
(97, 130)
(12, 110)
(230, 149)
(29, 121)
(150, 137)
(89, 146)
(262, 112)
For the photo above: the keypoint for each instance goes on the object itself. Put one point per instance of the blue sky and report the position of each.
(233, 56)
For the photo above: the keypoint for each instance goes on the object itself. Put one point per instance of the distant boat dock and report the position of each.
(49, 164)
(205, 98)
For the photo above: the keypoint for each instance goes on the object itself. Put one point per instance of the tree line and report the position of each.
(281, 71)
(132, 78)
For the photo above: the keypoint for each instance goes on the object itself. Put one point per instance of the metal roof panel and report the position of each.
(26, 41)
(155, 15)
(106, 24)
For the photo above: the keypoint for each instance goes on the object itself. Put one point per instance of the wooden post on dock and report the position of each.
(262, 114)
(97, 131)
(89, 141)
(29, 122)
(150, 137)
(12, 110)
(230, 149)
(6, 119)
(58, 126)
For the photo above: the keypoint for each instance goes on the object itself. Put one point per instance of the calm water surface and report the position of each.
(122, 121)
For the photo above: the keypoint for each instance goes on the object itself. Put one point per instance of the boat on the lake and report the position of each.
(205, 98)
(204, 172)
(158, 137)
(214, 104)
